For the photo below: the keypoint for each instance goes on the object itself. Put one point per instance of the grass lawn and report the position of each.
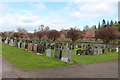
(0, 49)
(30, 61)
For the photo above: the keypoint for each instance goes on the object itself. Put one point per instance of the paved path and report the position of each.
(96, 70)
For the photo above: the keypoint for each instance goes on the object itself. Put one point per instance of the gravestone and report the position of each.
(11, 42)
(39, 48)
(76, 46)
(30, 47)
(95, 50)
(15, 42)
(103, 51)
(48, 52)
(23, 45)
(117, 49)
(67, 56)
(26, 44)
(19, 44)
(99, 50)
(6, 41)
(35, 48)
(58, 53)
(108, 49)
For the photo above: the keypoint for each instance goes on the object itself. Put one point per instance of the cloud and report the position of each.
(38, 6)
(89, 9)
(11, 21)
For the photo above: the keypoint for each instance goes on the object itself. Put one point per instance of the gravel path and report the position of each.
(96, 70)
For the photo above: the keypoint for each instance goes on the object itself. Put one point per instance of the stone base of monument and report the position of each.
(66, 60)
(39, 54)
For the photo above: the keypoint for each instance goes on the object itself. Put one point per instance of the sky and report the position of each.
(57, 15)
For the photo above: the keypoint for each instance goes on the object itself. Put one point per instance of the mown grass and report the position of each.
(30, 61)
(0, 49)
(27, 60)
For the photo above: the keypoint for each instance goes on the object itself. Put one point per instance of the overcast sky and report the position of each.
(56, 15)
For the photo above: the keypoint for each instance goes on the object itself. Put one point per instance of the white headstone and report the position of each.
(48, 53)
(117, 49)
(11, 42)
(6, 41)
(99, 51)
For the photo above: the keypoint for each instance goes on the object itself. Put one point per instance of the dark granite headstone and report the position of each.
(58, 53)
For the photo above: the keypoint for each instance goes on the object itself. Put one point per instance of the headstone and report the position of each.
(48, 52)
(19, 44)
(76, 46)
(95, 50)
(6, 41)
(15, 42)
(11, 42)
(23, 45)
(35, 48)
(39, 48)
(26, 44)
(108, 49)
(58, 53)
(103, 51)
(117, 49)
(99, 50)
(30, 47)
(67, 54)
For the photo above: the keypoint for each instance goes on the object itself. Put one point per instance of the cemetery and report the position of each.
(29, 54)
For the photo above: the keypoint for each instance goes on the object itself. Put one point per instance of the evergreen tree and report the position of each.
(111, 23)
(108, 23)
(115, 22)
(103, 23)
(99, 25)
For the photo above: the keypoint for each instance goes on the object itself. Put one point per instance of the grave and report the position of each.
(18, 44)
(11, 42)
(26, 44)
(39, 48)
(6, 41)
(15, 42)
(95, 50)
(117, 49)
(48, 52)
(23, 45)
(67, 56)
(35, 48)
(58, 53)
(103, 51)
(99, 50)
(30, 47)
